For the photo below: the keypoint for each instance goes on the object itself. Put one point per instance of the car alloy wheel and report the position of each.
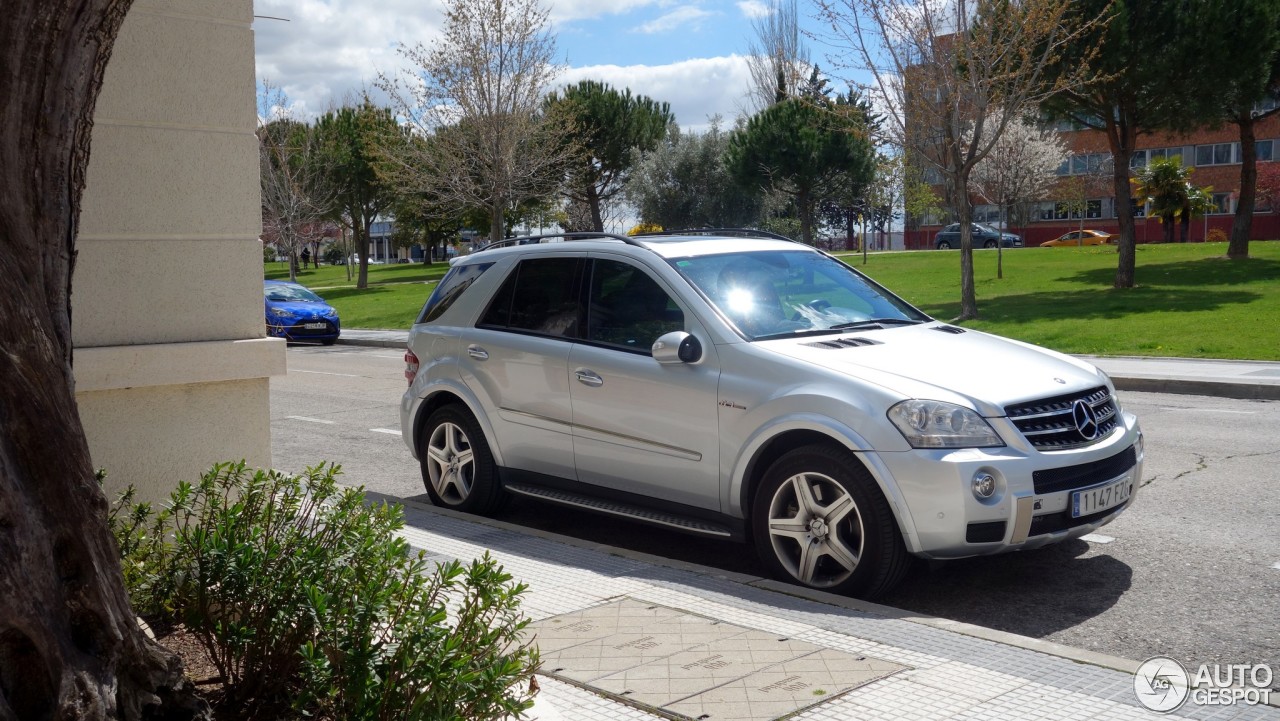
(815, 530)
(457, 467)
(818, 518)
(450, 463)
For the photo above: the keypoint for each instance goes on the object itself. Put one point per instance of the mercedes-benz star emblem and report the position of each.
(1086, 420)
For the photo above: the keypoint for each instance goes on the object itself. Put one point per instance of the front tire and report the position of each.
(819, 520)
(457, 467)
(989, 244)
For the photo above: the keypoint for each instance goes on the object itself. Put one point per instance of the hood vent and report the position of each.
(949, 329)
(844, 343)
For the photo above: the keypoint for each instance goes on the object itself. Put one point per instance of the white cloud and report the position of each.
(684, 15)
(696, 89)
(754, 9)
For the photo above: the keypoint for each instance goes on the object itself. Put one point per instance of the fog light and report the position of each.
(984, 485)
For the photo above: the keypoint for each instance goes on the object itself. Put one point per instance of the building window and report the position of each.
(1063, 211)
(986, 214)
(1264, 150)
(1138, 205)
(932, 175)
(1222, 203)
(1084, 164)
(1216, 154)
(1139, 159)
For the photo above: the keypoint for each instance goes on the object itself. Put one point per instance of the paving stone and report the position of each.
(586, 662)
(619, 617)
(785, 688)
(698, 669)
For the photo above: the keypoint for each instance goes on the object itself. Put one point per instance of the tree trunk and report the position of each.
(597, 217)
(805, 206)
(964, 213)
(1242, 224)
(1121, 139)
(495, 220)
(69, 644)
(360, 237)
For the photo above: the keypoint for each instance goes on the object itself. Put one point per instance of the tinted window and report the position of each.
(451, 288)
(628, 308)
(541, 296)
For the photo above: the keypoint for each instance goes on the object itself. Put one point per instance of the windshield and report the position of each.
(783, 293)
(985, 228)
(290, 293)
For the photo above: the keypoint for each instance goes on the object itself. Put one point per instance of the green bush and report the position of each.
(306, 597)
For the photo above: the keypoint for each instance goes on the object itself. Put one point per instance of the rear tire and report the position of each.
(944, 245)
(457, 467)
(819, 520)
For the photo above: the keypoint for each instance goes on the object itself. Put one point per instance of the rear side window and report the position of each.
(540, 296)
(451, 288)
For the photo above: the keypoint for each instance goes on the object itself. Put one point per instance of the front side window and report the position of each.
(783, 293)
(540, 296)
(451, 288)
(627, 308)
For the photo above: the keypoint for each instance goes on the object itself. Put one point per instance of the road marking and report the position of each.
(310, 420)
(1210, 410)
(325, 373)
(1096, 538)
(1276, 566)
(391, 431)
(391, 357)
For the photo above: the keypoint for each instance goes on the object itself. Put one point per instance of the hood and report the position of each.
(932, 361)
(304, 308)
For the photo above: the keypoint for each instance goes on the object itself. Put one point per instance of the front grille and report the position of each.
(1070, 478)
(1051, 424)
(298, 331)
(1054, 522)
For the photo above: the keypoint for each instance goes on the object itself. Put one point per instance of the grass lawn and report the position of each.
(395, 294)
(1189, 300)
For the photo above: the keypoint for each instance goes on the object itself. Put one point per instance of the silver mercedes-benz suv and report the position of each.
(733, 385)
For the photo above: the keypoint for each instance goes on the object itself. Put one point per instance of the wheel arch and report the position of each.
(443, 395)
(771, 444)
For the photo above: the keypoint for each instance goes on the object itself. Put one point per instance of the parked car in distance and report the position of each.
(297, 314)
(754, 388)
(1078, 238)
(984, 236)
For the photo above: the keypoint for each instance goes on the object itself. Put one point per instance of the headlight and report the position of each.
(1115, 395)
(281, 312)
(934, 424)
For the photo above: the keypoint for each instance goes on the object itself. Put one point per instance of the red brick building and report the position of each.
(1215, 155)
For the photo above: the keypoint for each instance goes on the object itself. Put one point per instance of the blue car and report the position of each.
(295, 313)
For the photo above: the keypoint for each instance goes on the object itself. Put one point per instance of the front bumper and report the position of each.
(294, 329)
(1025, 511)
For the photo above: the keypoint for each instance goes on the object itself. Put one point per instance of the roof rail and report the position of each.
(571, 235)
(746, 232)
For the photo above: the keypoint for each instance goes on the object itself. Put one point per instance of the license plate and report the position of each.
(1093, 500)
(314, 326)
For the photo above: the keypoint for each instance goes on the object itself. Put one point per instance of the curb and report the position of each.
(1070, 653)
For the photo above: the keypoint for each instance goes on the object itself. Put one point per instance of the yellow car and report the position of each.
(1074, 238)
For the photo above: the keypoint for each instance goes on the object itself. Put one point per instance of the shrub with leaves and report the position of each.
(306, 597)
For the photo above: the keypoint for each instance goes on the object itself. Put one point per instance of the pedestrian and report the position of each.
(306, 256)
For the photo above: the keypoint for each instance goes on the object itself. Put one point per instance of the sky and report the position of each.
(689, 53)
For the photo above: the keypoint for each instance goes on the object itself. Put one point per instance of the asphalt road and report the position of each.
(1192, 571)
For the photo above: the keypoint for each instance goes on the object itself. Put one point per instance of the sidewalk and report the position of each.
(1250, 380)
(629, 636)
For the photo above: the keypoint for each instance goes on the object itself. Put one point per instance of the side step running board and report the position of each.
(616, 508)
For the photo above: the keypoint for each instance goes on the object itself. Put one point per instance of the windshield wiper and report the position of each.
(871, 322)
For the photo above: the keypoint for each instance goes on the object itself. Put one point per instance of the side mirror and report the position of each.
(677, 347)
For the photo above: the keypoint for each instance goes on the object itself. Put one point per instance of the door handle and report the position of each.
(589, 378)
(477, 352)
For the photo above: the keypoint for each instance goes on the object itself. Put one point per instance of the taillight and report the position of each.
(410, 366)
